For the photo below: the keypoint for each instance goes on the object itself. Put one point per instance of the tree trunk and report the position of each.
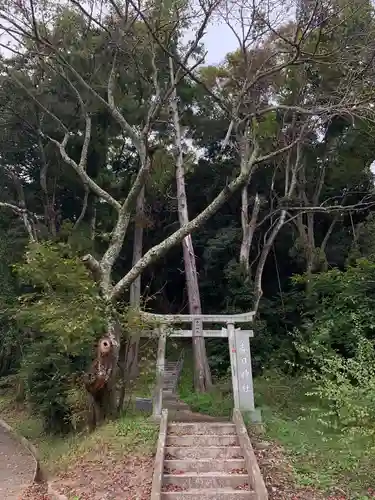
(248, 228)
(100, 380)
(263, 257)
(135, 288)
(202, 378)
(307, 239)
(202, 374)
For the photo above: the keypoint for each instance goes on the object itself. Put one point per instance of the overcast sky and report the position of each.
(219, 40)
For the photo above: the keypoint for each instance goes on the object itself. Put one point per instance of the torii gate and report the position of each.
(239, 350)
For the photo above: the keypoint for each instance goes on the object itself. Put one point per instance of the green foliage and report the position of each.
(61, 299)
(336, 347)
(365, 244)
(12, 340)
(49, 373)
(63, 310)
(217, 403)
(321, 456)
(341, 306)
(142, 431)
(346, 386)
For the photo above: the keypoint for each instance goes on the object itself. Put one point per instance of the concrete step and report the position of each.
(168, 394)
(175, 405)
(207, 480)
(207, 428)
(231, 466)
(173, 400)
(199, 452)
(189, 416)
(222, 494)
(201, 440)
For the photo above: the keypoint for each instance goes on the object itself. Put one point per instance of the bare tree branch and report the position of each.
(162, 248)
(24, 215)
(84, 207)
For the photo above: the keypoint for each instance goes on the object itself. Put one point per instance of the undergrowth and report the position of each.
(321, 457)
(132, 434)
(217, 403)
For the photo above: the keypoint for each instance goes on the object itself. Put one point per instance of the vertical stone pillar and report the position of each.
(160, 366)
(233, 363)
(245, 374)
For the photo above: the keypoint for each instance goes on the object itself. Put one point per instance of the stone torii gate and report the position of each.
(239, 351)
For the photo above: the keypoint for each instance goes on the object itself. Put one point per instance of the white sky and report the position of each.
(218, 41)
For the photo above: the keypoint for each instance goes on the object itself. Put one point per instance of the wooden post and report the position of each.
(160, 362)
(233, 363)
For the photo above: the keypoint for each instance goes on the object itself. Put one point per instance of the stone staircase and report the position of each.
(170, 399)
(204, 461)
(200, 457)
(171, 375)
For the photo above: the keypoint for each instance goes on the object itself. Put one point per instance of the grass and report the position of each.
(217, 403)
(321, 457)
(132, 433)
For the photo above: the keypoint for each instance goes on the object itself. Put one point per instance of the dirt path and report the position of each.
(16, 467)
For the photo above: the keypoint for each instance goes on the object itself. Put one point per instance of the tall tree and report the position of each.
(96, 76)
(202, 379)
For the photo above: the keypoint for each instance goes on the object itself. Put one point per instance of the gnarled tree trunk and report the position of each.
(135, 288)
(100, 380)
(248, 228)
(202, 374)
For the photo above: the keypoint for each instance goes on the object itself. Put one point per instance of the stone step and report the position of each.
(189, 416)
(168, 394)
(222, 494)
(207, 480)
(173, 400)
(198, 452)
(207, 428)
(175, 405)
(205, 465)
(202, 440)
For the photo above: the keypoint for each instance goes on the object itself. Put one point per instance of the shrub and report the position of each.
(341, 307)
(336, 346)
(62, 310)
(346, 386)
